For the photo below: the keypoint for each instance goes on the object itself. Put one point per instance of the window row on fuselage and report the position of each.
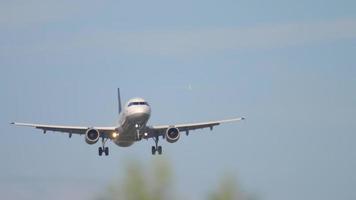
(137, 103)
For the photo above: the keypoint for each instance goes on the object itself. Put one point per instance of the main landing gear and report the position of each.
(156, 148)
(103, 149)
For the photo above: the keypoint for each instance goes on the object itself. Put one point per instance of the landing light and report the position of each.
(114, 134)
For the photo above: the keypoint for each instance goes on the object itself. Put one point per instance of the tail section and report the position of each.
(119, 100)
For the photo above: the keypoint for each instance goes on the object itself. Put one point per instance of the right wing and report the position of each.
(67, 129)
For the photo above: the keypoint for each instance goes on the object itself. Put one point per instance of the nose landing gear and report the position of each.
(139, 136)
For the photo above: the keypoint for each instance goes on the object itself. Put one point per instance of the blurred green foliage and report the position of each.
(140, 182)
(227, 190)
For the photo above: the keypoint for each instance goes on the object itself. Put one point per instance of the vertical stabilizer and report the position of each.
(119, 100)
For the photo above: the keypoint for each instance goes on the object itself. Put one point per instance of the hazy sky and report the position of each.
(288, 66)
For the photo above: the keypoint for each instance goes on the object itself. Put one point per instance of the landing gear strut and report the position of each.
(138, 132)
(138, 136)
(103, 149)
(156, 148)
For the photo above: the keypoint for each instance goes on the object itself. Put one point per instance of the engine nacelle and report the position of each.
(172, 134)
(92, 136)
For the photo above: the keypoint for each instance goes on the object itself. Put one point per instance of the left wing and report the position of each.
(160, 130)
(67, 129)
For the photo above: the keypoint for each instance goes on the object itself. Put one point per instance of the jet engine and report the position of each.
(172, 134)
(92, 136)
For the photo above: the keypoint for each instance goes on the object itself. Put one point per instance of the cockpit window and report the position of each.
(137, 103)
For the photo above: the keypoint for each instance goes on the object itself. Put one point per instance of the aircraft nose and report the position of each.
(140, 114)
(147, 110)
(144, 110)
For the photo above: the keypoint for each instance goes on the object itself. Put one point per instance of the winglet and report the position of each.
(119, 100)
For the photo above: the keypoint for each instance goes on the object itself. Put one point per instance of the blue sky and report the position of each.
(288, 66)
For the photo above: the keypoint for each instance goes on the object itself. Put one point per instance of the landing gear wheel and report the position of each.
(103, 149)
(159, 150)
(156, 148)
(106, 150)
(100, 150)
(153, 150)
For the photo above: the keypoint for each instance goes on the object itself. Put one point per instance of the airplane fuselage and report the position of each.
(134, 116)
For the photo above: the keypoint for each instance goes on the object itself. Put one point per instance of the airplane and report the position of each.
(131, 127)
